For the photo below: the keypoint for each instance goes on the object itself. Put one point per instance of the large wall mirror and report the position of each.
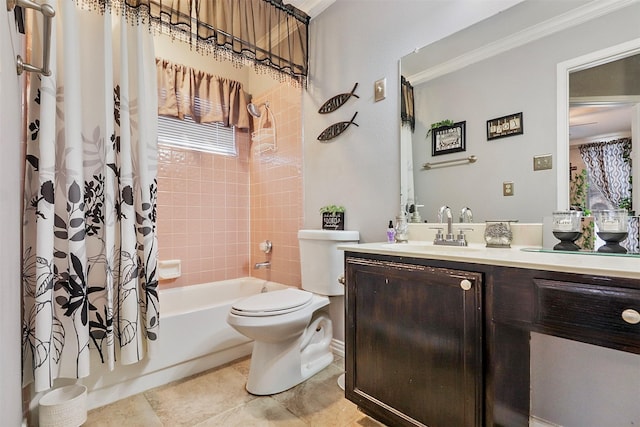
(521, 60)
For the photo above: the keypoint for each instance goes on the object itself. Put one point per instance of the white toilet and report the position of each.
(291, 328)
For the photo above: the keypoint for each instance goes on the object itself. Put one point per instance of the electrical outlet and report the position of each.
(542, 162)
(507, 188)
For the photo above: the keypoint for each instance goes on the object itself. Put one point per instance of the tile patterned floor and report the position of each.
(218, 398)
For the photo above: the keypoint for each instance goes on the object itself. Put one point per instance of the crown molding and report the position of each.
(569, 19)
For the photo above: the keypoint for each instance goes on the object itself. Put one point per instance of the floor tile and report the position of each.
(319, 401)
(218, 398)
(132, 411)
(260, 412)
(196, 399)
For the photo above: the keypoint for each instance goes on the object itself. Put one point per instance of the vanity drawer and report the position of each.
(601, 315)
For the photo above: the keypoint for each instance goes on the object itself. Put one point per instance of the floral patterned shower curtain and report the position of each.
(90, 249)
(608, 168)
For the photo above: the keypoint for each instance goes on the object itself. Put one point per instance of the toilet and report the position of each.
(291, 328)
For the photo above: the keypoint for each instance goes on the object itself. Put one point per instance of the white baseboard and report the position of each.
(337, 347)
(539, 422)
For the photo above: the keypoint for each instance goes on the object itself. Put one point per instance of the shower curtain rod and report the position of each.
(228, 46)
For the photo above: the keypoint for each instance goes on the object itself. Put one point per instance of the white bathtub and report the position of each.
(194, 336)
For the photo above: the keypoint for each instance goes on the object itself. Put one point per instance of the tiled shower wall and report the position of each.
(213, 211)
(203, 213)
(276, 190)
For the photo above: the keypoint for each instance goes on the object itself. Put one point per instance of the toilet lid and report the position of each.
(272, 303)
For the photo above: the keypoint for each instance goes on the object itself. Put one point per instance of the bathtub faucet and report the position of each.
(260, 265)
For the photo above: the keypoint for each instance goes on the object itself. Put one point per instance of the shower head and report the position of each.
(254, 109)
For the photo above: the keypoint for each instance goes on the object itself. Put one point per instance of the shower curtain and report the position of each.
(408, 124)
(608, 168)
(89, 238)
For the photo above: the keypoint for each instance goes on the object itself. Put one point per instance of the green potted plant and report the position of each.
(332, 217)
(625, 203)
(443, 123)
(578, 188)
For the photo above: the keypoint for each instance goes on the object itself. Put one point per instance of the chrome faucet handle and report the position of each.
(461, 237)
(439, 236)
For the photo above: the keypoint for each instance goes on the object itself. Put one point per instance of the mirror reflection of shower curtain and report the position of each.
(90, 248)
(609, 168)
(406, 168)
(407, 118)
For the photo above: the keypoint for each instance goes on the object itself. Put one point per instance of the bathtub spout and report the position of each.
(260, 265)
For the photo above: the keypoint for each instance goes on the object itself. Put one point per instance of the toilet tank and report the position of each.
(321, 263)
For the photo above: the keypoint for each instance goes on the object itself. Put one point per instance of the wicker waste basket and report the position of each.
(64, 407)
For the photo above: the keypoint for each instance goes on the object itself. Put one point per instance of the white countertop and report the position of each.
(582, 263)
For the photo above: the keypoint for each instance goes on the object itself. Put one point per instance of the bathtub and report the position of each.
(194, 337)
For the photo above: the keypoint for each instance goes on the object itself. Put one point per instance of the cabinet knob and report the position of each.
(631, 316)
(342, 280)
(466, 284)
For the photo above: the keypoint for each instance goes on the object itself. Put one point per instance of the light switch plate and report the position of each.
(542, 162)
(380, 89)
(507, 188)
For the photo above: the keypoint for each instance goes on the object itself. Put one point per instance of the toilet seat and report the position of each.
(272, 303)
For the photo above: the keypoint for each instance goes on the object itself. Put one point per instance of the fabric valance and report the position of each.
(264, 33)
(407, 104)
(205, 97)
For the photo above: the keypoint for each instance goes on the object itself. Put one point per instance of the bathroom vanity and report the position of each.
(440, 336)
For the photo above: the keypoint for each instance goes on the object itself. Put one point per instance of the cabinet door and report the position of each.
(413, 343)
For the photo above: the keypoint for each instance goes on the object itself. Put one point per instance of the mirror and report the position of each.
(474, 77)
(603, 104)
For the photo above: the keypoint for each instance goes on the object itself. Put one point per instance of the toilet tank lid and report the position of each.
(338, 235)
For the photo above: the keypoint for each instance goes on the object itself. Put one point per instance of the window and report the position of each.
(208, 137)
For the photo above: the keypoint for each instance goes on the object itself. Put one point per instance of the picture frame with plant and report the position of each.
(332, 217)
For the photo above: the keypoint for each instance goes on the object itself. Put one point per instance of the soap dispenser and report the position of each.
(402, 227)
(391, 233)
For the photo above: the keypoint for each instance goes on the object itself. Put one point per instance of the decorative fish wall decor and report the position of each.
(337, 101)
(336, 129)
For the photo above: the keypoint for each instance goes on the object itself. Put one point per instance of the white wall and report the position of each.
(361, 41)
(10, 196)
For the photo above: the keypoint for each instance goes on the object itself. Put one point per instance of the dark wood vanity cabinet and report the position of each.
(423, 351)
(596, 310)
(414, 343)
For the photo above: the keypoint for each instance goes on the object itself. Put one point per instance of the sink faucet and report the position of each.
(450, 239)
(466, 215)
(445, 213)
(444, 210)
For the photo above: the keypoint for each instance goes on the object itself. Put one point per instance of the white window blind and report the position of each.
(207, 137)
